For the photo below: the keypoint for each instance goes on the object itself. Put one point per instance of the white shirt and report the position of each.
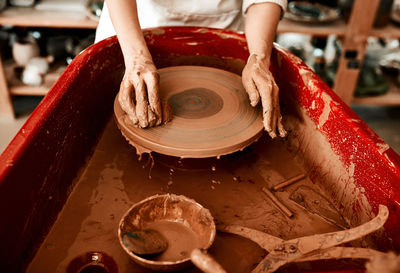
(225, 14)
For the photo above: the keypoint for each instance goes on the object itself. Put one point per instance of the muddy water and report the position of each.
(230, 188)
(181, 240)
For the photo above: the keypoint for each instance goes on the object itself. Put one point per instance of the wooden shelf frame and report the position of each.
(31, 17)
(17, 88)
(322, 30)
(391, 98)
(354, 35)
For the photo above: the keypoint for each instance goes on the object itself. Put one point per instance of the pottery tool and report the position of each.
(310, 248)
(212, 115)
(319, 205)
(277, 202)
(288, 182)
(206, 263)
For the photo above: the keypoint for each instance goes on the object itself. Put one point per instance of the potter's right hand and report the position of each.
(259, 83)
(139, 94)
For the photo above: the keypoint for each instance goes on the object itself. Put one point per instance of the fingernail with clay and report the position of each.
(253, 101)
(143, 123)
(283, 133)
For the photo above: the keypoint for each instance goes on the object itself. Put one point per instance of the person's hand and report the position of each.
(139, 94)
(260, 84)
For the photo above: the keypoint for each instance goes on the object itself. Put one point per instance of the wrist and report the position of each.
(138, 59)
(260, 57)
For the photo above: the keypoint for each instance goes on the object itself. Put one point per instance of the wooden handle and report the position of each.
(203, 261)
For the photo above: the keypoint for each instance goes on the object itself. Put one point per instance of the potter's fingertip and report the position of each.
(283, 133)
(143, 123)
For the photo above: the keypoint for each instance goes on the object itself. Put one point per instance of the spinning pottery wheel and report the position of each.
(212, 115)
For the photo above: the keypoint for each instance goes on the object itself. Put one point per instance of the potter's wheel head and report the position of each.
(212, 115)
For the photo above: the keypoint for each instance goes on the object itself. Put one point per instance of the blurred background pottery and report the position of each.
(23, 50)
(35, 70)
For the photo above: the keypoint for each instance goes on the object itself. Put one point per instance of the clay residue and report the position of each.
(324, 117)
(140, 150)
(157, 31)
(114, 179)
(311, 82)
(328, 170)
(382, 147)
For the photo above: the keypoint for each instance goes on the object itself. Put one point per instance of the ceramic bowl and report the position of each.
(184, 223)
(24, 50)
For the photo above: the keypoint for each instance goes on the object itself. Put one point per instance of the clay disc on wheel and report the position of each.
(212, 115)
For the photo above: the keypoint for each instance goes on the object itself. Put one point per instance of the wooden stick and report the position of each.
(288, 182)
(278, 203)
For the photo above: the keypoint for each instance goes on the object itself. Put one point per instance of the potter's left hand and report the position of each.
(260, 84)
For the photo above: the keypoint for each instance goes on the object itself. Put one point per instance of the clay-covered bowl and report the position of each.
(182, 221)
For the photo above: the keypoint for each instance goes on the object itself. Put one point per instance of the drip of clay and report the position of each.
(211, 115)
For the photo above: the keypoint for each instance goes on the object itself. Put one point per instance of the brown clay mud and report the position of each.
(181, 240)
(230, 188)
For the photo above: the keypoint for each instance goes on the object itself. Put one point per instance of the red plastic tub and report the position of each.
(71, 139)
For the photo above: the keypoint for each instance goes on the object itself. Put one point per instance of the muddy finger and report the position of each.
(151, 117)
(251, 90)
(152, 83)
(265, 89)
(126, 100)
(282, 131)
(141, 104)
(276, 112)
(167, 111)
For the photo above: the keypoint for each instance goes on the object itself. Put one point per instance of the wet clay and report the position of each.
(181, 240)
(230, 188)
(211, 115)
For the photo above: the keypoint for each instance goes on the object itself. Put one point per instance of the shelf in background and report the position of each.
(323, 29)
(17, 87)
(391, 98)
(31, 17)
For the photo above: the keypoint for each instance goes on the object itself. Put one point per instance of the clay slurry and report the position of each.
(181, 240)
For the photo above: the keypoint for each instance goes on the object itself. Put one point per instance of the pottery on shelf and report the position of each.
(24, 50)
(35, 70)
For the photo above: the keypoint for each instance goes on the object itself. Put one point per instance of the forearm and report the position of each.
(260, 28)
(124, 17)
